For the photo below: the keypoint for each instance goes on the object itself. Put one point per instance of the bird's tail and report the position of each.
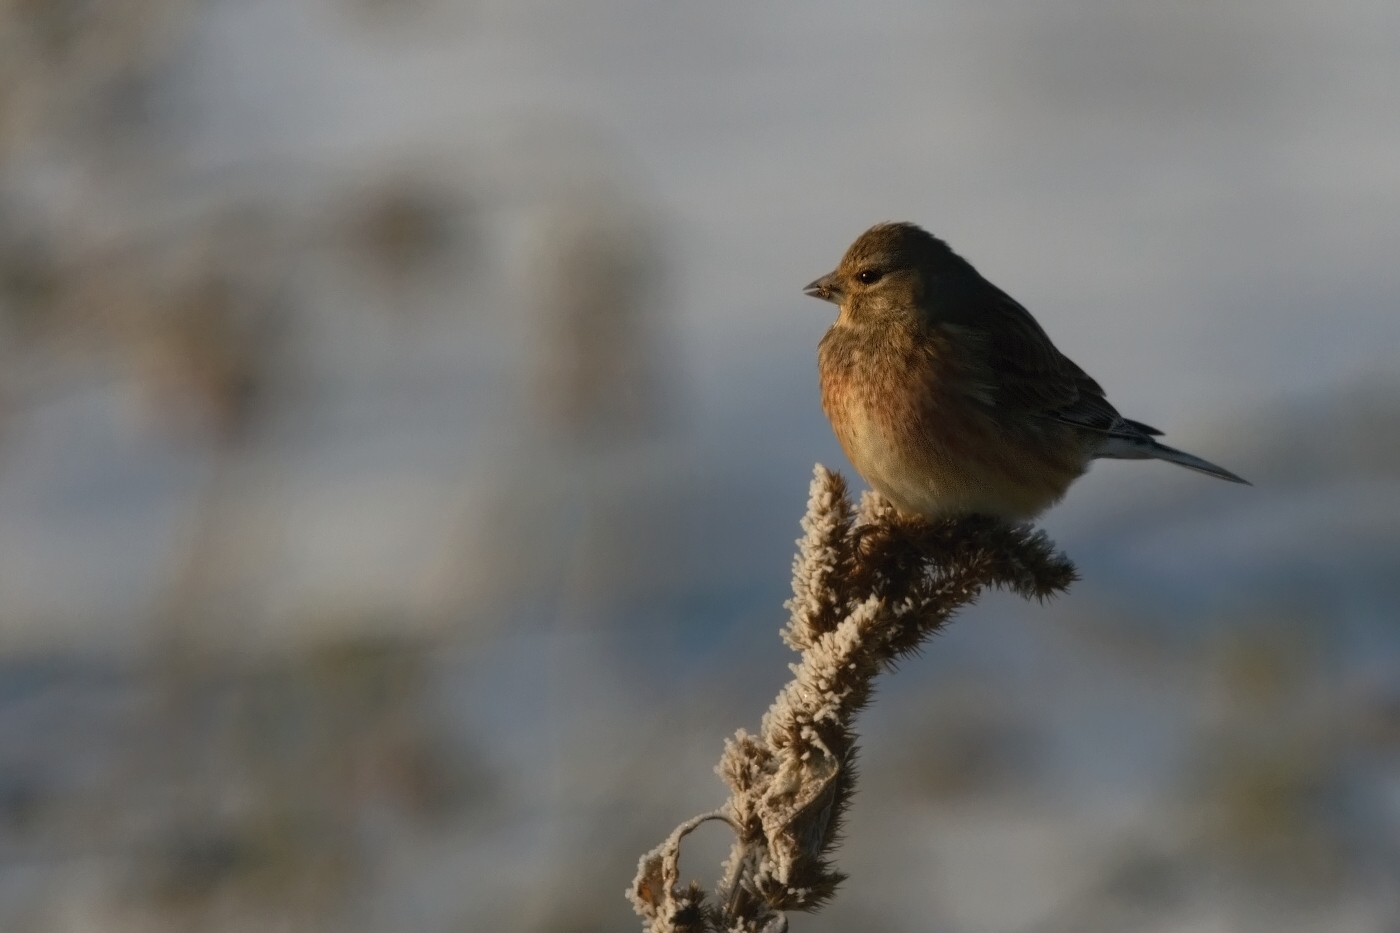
(1119, 447)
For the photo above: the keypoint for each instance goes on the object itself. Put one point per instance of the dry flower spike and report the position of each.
(869, 585)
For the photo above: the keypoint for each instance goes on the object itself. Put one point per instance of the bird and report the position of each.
(946, 395)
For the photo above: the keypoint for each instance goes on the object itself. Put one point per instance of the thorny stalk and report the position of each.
(869, 585)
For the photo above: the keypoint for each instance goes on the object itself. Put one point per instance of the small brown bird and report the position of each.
(946, 394)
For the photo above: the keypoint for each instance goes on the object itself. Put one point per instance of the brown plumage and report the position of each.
(946, 394)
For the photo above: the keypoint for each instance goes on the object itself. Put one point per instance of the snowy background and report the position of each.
(406, 408)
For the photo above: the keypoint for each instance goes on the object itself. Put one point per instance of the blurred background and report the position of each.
(407, 407)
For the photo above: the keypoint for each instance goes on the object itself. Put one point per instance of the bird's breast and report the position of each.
(883, 399)
(913, 418)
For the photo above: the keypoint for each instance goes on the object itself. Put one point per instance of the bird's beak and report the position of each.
(827, 288)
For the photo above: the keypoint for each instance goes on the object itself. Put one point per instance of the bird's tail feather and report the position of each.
(1145, 448)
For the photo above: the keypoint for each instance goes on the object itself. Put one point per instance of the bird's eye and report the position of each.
(869, 276)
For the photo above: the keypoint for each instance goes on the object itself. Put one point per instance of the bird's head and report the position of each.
(886, 274)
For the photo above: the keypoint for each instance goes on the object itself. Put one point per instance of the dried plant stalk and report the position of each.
(868, 588)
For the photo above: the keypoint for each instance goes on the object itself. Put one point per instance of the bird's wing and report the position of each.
(1029, 375)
